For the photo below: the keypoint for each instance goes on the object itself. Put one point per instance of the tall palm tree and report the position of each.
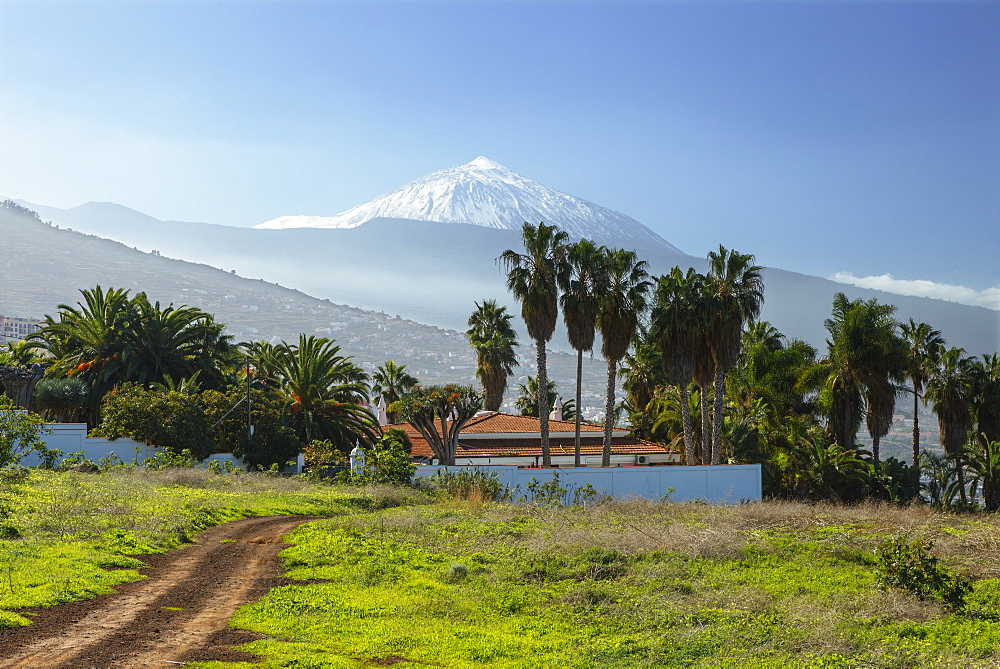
(737, 289)
(533, 278)
(493, 338)
(675, 324)
(949, 388)
(622, 301)
(986, 398)
(581, 284)
(863, 351)
(390, 381)
(922, 345)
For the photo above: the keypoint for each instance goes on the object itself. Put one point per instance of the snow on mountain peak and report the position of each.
(485, 193)
(484, 163)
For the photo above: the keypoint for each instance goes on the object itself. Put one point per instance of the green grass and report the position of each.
(70, 536)
(466, 585)
(635, 585)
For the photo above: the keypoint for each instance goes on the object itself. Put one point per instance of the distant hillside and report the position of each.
(42, 266)
(433, 272)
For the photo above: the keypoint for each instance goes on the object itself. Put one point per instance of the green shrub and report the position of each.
(908, 565)
(475, 484)
(20, 432)
(168, 459)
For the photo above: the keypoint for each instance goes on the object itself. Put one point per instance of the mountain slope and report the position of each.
(486, 194)
(434, 272)
(42, 266)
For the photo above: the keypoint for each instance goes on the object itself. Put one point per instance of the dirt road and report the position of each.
(177, 614)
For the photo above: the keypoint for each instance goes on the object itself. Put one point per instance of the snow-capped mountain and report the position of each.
(487, 194)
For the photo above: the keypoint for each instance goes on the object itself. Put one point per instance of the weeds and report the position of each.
(622, 585)
(908, 564)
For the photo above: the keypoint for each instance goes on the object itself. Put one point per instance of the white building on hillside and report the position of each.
(15, 329)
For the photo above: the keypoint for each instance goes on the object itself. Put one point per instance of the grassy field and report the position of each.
(463, 584)
(625, 585)
(69, 536)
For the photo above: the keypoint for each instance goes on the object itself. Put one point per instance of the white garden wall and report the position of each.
(72, 438)
(718, 484)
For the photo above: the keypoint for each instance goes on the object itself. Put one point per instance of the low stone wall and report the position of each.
(718, 484)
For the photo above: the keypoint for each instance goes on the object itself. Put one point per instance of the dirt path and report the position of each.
(177, 614)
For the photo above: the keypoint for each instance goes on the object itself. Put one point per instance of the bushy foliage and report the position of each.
(908, 564)
(387, 461)
(168, 419)
(470, 484)
(62, 399)
(19, 432)
(323, 458)
(271, 442)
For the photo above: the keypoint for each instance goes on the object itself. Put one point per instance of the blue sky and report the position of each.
(855, 137)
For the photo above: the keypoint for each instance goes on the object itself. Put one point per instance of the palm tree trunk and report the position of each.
(706, 432)
(961, 484)
(543, 401)
(875, 448)
(916, 440)
(609, 413)
(579, 382)
(720, 391)
(689, 454)
(845, 434)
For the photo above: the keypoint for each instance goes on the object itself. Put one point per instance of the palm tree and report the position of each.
(86, 341)
(533, 278)
(61, 399)
(324, 391)
(19, 353)
(493, 338)
(675, 324)
(949, 388)
(641, 372)
(922, 345)
(109, 338)
(527, 399)
(985, 401)
(390, 381)
(769, 373)
(737, 289)
(581, 285)
(864, 354)
(175, 342)
(622, 301)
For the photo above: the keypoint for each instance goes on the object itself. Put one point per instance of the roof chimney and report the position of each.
(556, 410)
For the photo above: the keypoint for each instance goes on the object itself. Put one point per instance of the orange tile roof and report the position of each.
(493, 448)
(524, 441)
(505, 423)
